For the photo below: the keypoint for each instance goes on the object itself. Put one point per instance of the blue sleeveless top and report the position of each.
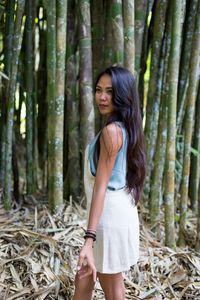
(117, 179)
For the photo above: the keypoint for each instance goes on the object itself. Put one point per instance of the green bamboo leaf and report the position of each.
(195, 152)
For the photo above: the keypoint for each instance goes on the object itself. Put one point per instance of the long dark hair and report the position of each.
(127, 110)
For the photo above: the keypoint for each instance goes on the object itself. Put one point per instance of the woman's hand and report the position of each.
(86, 265)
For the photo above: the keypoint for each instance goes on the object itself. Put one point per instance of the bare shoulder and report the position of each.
(112, 137)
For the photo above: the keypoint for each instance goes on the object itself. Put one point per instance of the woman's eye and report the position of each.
(110, 92)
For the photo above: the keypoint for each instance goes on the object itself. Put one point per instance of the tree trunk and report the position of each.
(42, 103)
(156, 191)
(17, 41)
(51, 94)
(15, 168)
(153, 101)
(188, 125)
(145, 50)
(97, 22)
(184, 60)
(197, 246)
(117, 32)
(97, 49)
(72, 120)
(29, 64)
(195, 159)
(129, 35)
(108, 51)
(140, 17)
(177, 12)
(8, 41)
(85, 87)
(61, 11)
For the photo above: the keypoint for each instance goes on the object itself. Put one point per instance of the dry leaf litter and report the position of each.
(38, 256)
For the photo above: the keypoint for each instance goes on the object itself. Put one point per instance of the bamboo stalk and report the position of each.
(85, 86)
(149, 12)
(197, 246)
(117, 32)
(177, 12)
(51, 94)
(195, 159)
(98, 30)
(129, 34)
(42, 102)
(140, 17)
(72, 119)
(8, 41)
(98, 48)
(17, 41)
(184, 61)
(153, 101)
(29, 64)
(188, 125)
(108, 50)
(61, 11)
(156, 190)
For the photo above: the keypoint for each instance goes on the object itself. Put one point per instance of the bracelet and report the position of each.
(89, 234)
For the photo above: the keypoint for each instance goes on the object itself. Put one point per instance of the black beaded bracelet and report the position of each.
(91, 235)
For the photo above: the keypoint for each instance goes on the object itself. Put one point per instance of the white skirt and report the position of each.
(116, 248)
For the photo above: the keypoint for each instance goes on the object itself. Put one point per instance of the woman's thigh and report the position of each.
(112, 285)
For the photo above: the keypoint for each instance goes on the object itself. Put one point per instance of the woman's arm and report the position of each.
(111, 140)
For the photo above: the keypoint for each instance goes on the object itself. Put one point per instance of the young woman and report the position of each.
(113, 179)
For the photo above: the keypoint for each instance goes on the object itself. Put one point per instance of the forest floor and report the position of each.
(38, 256)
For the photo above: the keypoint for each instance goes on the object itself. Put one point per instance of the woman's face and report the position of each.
(103, 95)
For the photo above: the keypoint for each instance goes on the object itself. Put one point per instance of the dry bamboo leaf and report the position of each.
(174, 278)
(6, 292)
(33, 282)
(35, 267)
(144, 295)
(48, 272)
(22, 293)
(16, 277)
(172, 291)
(48, 257)
(132, 284)
(57, 272)
(58, 235)
(36, 218)
(52, 221)
(42, 292)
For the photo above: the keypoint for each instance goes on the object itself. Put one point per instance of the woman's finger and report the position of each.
(80, 262)
(94, 274)
(83, 270)
(94, 271)
(86, 273)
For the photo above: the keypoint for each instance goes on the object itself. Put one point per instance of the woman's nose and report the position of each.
(103, 96)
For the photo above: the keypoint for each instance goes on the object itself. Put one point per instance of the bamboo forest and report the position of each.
(51, 52)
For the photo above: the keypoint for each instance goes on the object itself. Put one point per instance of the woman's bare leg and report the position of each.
(112, 285)
(83, 287)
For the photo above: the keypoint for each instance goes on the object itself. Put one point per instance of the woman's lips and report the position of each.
(103, 106)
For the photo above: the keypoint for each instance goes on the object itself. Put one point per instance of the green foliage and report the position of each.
(195, 152)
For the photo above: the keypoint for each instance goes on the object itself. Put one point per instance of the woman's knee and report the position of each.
(113, 286)
(116, 293)
(84, 285)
